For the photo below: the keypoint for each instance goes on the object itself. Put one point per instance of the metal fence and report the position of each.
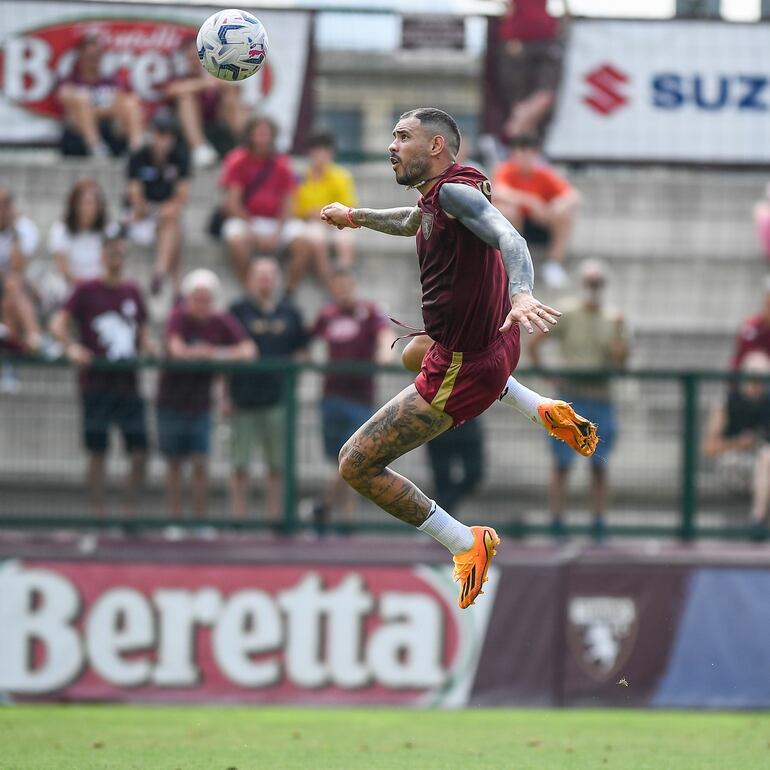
(660, 484)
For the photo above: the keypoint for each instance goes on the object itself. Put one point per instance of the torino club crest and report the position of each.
(427, 224)
(601, 632)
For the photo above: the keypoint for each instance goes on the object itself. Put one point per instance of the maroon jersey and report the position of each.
(191, 391)
(464, 283)
(754, 335)
(350, 335)
(108, 319)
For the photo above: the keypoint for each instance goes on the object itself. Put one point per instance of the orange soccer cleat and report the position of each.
(471, 566)
(565, 424)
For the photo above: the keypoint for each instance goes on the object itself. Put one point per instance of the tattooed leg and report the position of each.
(406, 422)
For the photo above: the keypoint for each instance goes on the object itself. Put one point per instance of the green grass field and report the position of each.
(160, 738)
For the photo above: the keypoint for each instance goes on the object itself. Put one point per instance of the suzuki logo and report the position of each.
(605, 96)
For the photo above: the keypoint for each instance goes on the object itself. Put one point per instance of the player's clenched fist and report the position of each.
(338, 215)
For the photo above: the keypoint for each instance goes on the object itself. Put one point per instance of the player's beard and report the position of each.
(412, 172)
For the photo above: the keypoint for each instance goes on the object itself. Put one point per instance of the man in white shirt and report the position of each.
(19, 327)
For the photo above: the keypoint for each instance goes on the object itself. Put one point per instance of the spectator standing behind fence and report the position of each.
(259, 186)
(109, 317)
(75, 242)
(738, 433)
(324, 182)
(18, 241)
(354, 330)
(457, 462)
(101, 116)
(157, 192)
(590, 336)
(529, 57)
(205, 107)
(754, 333)
(538, 202)
(195, 332)
(257, 406)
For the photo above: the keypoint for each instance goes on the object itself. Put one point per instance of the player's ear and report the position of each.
(437, 145)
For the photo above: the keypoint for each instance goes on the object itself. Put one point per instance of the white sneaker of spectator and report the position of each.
(174, 532)
(554, 275)
(100, 150)
(204, 156)
(9, 385)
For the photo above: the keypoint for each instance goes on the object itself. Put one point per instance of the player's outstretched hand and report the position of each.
(526, 310)
(336, 214)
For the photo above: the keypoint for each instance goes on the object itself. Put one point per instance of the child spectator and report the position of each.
(539, 203)
(324, 182)
(209, 111)
(76, 242)
(109, 316)
(100, 115)
(258, 414)
(259, 186)
(195, 332)
(157, 191)
(353, 330)
(18, 241)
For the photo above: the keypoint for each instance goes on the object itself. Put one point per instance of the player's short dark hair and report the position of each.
(439, 121)
(322, 139)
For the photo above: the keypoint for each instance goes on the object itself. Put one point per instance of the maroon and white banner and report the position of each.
(219, 633)
(141, 50)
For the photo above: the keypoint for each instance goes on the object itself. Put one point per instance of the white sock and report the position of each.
(452, 534)
(522, 399)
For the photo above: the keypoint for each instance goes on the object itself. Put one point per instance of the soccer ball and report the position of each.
(232, 45)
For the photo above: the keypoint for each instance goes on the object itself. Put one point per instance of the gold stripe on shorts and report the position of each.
(445, 391)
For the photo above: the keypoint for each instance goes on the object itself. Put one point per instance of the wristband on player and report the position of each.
(350, 219)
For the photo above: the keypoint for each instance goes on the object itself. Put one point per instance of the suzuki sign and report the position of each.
(679, 91)
(142, 50)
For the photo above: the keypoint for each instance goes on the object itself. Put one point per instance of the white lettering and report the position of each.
(28, 75)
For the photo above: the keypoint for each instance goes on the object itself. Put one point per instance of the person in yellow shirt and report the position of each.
(324, 182)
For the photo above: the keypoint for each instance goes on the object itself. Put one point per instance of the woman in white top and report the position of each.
(76, 242)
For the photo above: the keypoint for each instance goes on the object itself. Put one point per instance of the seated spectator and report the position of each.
(195, 332)
(258, 413)
(529, 56)
(353, 330)
(258, 184)
(539, 203)
(738, 433)
(324, 182)
(75, 242)
(18, 241)
(590, 336)
(762, 222)
(100, 115)
(209, 111)
(110, 320)
(157, 192)
(754, 333)
(457, 462)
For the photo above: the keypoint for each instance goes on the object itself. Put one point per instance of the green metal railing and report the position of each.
(687, 387)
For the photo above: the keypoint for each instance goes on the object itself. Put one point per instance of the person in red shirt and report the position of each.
(353, 330)
(528, 60)
(259, 185)
(97, 107)
(195, 332)
(111, 322)
(477, 277)
(754, 333)
(539, 203)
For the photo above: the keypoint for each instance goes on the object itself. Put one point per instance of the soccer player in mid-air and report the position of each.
(477, 279)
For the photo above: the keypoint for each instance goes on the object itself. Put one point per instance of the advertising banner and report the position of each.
(245, 633)
(679, 91)
(141, 49)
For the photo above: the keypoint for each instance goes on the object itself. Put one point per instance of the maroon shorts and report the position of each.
(466, 384)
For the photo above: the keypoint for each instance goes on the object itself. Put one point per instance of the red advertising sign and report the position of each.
(267, 633)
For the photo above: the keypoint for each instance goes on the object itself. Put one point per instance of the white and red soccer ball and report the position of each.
(232, 44)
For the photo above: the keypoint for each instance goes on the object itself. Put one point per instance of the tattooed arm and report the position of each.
(401, 221)
(471, 207)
